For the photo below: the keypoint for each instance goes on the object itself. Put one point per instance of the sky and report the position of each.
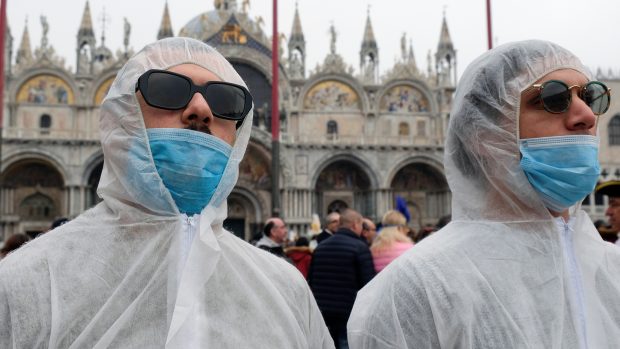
(585, 27)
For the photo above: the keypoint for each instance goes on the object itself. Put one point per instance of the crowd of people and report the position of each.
(348, 253)
(519, 265)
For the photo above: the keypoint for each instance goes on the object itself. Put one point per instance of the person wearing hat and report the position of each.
(612, 189)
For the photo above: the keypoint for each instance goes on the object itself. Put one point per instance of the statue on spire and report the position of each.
(403, 46)
(332, 32)
(127, 32)
(46, 28)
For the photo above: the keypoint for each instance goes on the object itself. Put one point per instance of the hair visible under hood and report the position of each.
(482, 151)
(129, 175)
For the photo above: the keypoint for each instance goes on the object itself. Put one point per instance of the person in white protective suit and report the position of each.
(151, 266)
(520, 265)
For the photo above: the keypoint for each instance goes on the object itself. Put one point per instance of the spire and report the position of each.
(24, 53)
(369, 54)
(445, 42)
(86, 27)
(445, 58)
(297, 49)
(103, 18)
(165, 28)
(411, 56)
(85, 47)
(369, 35)
(296, 32)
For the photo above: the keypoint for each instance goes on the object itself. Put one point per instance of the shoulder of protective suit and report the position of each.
(277, 267)
(27, 262)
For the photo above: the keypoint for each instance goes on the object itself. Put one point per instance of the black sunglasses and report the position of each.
(555, 96)
(167, 90)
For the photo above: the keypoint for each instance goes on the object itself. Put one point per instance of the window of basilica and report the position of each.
(614, 130)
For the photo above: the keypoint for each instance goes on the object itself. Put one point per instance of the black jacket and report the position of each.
(324, 235)
(341, 265)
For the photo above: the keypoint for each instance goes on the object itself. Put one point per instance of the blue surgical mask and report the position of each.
(190, 163)
(562, 169)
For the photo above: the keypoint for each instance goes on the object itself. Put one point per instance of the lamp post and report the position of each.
(2, 53)
(489, 29)
(275, 117)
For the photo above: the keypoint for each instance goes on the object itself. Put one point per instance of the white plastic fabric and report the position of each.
(504, 273)
(129, 272)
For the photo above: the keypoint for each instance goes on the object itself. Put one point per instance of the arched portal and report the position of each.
(33, 195)
(425, 190)
(245, 214)
(260, 88)
(343, 184)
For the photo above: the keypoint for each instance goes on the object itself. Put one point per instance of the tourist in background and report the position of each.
(301, 255)
(392, 240)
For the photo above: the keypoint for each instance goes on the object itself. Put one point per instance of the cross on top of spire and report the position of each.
(103, 18)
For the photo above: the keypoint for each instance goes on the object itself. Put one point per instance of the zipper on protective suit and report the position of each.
(575, 280)
(188, 233)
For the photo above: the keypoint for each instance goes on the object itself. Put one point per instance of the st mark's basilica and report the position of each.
(349, 137)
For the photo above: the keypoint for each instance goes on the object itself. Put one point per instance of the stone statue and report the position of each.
(403, 46)
(127, 28)
(369, 71)
(46, 28)
(260, 22)
(332, 32)
(281, 44)
(295, 67)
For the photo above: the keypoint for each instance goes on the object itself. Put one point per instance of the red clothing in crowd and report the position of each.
(301, 257)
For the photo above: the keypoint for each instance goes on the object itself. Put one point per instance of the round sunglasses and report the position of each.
(555, 96)
(167, 90)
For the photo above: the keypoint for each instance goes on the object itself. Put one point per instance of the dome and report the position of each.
(204, 26)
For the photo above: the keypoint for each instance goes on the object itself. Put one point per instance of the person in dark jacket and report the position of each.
(341, 265)
(274, 237)
(332, 223)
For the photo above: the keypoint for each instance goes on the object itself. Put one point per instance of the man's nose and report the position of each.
(197, 110)
(580, 115)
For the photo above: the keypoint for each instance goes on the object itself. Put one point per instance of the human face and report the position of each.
(578, 119)
(278, 231)
(196, 115)
(369, 230)
(357, 227)
(613, 212)
(333, 223)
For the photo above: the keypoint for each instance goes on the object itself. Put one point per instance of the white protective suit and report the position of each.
(504, 273)
(129, 272)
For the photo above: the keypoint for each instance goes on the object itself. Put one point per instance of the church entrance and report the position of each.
(343, 184)
(33, 196)
(426, 192)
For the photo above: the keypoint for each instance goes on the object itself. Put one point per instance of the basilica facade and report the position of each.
(349, 137)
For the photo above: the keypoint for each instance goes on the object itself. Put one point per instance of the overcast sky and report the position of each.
(585, 27)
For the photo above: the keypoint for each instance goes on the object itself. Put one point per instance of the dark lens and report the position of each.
(555, 96)
(226, 101)
(596, 97)
(167, 91)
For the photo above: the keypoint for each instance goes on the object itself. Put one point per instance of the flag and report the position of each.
(401, 206)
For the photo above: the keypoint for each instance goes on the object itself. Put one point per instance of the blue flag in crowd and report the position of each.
(401, 206)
